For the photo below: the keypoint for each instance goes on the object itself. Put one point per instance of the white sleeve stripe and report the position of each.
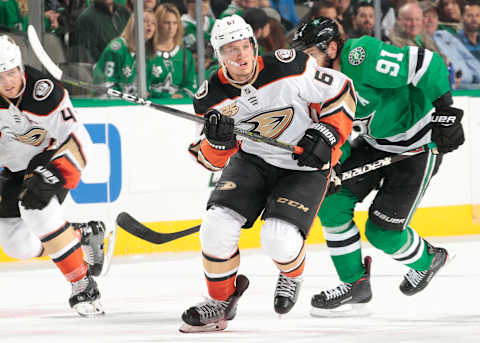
(412, 62)
(423, 68)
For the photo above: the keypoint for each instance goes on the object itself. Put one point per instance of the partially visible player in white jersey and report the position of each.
(286, 96)
(43, 149)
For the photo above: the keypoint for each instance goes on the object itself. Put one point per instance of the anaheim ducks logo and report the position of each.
(35, 136)
(225, 186)
(270, 124)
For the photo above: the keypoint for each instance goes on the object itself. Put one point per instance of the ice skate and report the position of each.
(85, 298)
(347, 299)
(416, 281)
(93, 238)
(286, 293)
(212, 315)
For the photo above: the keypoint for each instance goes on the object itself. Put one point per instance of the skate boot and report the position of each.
(85, 298)
(286, 293)
(415, 281)
(212, 315)
(347, 299)
(93, 234)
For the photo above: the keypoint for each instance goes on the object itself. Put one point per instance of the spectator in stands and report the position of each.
(147, 5)
(344, 13)
(277, 38)
(263, 4)
(390, 12)
(189, 24)
(179, 4)
(321, 8)
(172, 70)
(287, 11)
(450, 15)
(258, 20)
(471, 26)
(68, 12)
(237, 7)
(408, 29)
(96, 27)
(10, 15)
(363, 20)
(466, 69)
(117, 65)
(218, 6)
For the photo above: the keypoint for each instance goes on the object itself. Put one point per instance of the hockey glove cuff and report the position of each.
(447, 130)
(317, 144)
(218, 130)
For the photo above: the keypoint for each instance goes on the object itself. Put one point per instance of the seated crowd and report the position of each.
(100, 34)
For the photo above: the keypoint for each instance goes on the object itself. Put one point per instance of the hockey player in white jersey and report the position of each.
(270, 95)
(43, 149)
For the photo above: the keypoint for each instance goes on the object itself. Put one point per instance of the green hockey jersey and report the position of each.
(116, 67)
(171, 73)
(190, 31)
(395, 90)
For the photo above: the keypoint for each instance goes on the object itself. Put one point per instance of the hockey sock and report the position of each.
(406, 246)
(295, 267)
(65, 250)
(344, 245)
(220, 275)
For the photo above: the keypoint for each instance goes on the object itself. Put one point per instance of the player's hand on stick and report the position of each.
(41, 182)
(219, 130)
(447, 130)
(317, 144)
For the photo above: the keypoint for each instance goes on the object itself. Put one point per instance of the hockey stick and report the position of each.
(134, 227)
(57, 73)
(386, 161)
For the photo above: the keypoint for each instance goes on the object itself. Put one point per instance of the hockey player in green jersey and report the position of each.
(404, 103)
(116, 67)
(172, 70)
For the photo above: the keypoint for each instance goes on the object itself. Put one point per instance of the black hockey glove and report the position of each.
(447, 130)
(41, 182)
(219, 130)
(317, 144)
(335, 183)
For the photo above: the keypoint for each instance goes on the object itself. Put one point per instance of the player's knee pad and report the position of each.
(281, 240)
(383, 239)
(45, 221)
(337, 209)
(220, 232)
(17, 240)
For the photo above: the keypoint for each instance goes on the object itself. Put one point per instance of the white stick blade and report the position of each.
(41, 54)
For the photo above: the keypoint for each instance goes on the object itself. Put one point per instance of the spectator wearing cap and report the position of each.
(258, 20)
(466, 69)
(277, 38)
(471, 25)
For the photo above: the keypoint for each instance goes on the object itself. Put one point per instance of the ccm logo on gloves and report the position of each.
(47, 175)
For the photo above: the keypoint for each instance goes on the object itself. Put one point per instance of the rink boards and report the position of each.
(141, 165)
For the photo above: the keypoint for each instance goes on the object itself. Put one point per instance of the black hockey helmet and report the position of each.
(318, 32)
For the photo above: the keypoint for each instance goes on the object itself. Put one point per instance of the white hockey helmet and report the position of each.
(10, 54)
(230, 29)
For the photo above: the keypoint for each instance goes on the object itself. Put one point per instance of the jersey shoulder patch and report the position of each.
(202, 90)
(285, 55)
(42, 89)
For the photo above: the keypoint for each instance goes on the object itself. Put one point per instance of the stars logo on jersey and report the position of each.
(269, 124)
(285, 55)
(166, 86)
(361, 126)
(42, 89)
(356, 56)
(115, 45)
(127, 71)
(157, 71)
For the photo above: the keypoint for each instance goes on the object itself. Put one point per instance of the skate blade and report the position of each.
(109, 243)
(218, 326)
(89, 309)
(347, 310)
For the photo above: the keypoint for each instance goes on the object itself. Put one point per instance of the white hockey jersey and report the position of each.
(288, 95)
(44, 119)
